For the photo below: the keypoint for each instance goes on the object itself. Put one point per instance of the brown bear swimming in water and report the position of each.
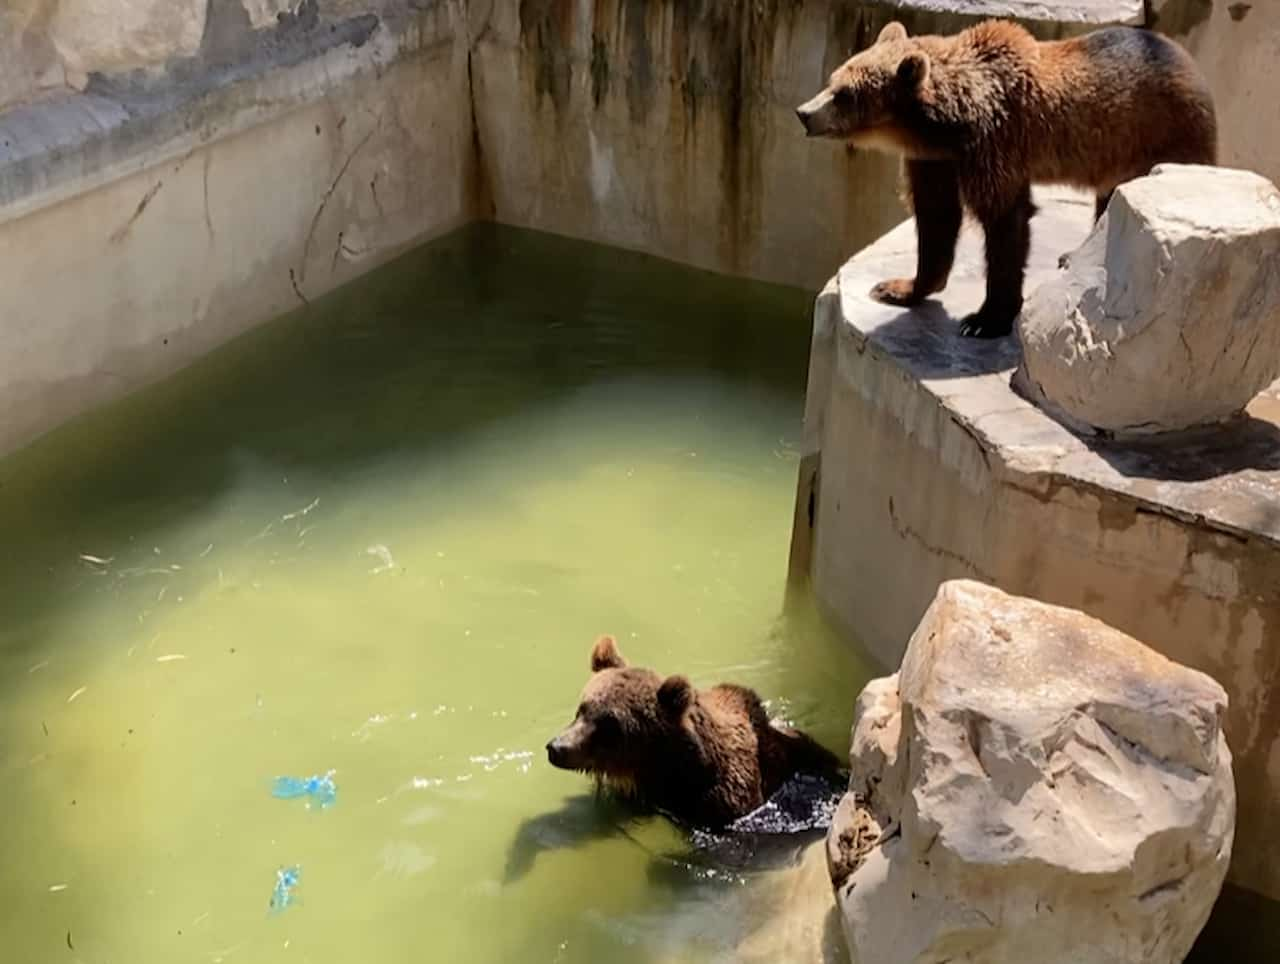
(982, 115)
(704, 757)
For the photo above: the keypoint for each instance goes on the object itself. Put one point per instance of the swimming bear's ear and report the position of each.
(675, 696)
(891, 32)
(605, 655)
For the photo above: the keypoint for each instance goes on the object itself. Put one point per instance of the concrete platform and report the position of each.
(921, 464)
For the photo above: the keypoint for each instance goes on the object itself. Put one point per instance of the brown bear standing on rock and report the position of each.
(704, 757)
(983, 115)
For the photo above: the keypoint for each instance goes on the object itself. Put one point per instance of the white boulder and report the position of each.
(1033, 785)
(1168, 316)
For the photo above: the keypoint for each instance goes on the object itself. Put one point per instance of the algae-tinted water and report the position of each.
(379, 536)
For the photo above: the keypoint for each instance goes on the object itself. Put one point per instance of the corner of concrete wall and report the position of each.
(1237, 44)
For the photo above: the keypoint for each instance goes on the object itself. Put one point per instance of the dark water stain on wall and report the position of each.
(547, 28)
(641, 79)
(599, 70)
(713, 68)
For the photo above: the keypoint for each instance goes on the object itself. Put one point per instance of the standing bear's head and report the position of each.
(867, 100)
(628, 719)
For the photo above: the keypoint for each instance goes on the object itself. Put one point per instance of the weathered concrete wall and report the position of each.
(186, 215)
(52, 45)
(670, 127)
(920, 464)
(656, 124)
(1237, 44)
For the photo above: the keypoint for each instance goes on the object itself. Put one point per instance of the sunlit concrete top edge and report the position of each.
(1059, 11)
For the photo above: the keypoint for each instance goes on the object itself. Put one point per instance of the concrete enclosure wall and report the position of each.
(141, 226)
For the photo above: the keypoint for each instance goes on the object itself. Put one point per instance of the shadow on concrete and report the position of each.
(927, 340)
(1196, 455)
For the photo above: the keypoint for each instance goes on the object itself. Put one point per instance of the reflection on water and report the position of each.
(378, 538)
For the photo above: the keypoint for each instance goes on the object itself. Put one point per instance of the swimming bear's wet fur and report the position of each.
(704, 757)
(982, 115)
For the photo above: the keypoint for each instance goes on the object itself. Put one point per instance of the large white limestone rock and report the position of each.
(1168, 316)
(1032, 786)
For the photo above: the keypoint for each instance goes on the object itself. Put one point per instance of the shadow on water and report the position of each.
(582, 819)
(770, 838)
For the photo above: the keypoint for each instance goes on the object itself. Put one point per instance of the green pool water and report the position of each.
(379, 536)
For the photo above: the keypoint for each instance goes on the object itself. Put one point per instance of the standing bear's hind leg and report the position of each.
(1008, 237)
(935, 199)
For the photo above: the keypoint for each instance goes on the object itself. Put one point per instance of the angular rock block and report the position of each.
(1032, 785)
(1168, 316)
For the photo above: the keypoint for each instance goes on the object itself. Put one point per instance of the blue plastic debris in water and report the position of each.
(320, 789)
(282, 893)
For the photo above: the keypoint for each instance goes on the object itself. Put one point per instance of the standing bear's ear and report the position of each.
(675, 696)
(891, 32)
(913, 70)
(605, 655)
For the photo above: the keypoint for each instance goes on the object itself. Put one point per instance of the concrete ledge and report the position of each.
(69, 144)
(1061, 11)
(921, 464)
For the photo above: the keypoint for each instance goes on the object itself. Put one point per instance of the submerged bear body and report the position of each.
(705, 757)
(982, 115)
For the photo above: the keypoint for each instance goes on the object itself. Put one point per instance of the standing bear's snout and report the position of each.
(814, 115)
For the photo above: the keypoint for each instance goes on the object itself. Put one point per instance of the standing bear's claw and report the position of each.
(979, 325)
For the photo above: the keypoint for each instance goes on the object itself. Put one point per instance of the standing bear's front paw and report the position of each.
(989, 322)
(897, 291)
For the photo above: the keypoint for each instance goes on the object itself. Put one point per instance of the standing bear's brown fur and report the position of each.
(982, 115)
(705, 757)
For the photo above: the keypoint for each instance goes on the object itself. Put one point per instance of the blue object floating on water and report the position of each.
(321, 789)
(282, 894)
